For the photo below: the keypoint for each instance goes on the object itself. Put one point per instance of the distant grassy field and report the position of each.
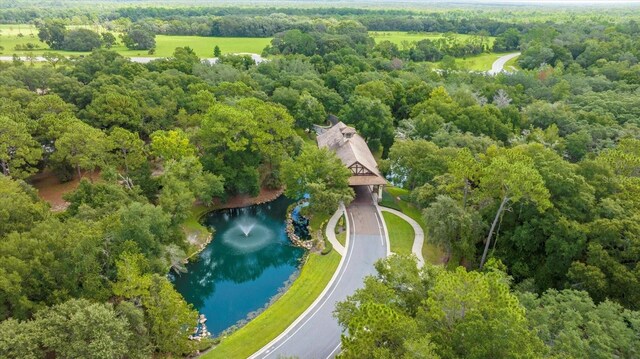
(480, 62)
(165, 45)
(397, 37)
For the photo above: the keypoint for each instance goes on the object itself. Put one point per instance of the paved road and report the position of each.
(498, 65)
(317, 335)
(142, 60)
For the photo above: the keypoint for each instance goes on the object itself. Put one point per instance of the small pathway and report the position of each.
(330, 231)
(418, 241)
(498, 65)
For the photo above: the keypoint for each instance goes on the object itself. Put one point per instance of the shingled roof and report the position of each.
(352, 151)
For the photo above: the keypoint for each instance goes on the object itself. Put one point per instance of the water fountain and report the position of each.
(246, 228)
(248, 261)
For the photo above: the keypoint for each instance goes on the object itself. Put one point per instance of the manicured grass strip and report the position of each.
(480, 62)
(401, 234)
(512, 63)
(314, 277)
(342, 238)
(400, 196)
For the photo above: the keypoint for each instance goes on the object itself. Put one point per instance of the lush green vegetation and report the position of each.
(530, 181)
(401, 234)
(492, 321)
(315, 275)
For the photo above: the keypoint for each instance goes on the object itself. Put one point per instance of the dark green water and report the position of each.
(237, 274)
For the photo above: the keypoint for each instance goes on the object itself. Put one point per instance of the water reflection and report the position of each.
(248, 260)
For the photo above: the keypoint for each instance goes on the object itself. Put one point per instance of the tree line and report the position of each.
(527, 180)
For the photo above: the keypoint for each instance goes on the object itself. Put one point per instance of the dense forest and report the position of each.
(530, 181)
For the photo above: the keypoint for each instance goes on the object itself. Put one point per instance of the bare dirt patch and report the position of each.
(243, 200)
(51, 189)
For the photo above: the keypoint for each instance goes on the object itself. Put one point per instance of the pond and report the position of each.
(248, 261)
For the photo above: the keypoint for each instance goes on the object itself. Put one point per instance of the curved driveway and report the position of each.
(498, 65)
(317, 334)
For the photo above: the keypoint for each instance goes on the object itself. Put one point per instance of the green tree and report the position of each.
(79, 328)
(372, 119)
(247, 143)
(110, 108)
(216, 51)
(319, 173)
(183, 182)
(169, 319)
(74, 329)
(448, 314)
(453, 228)
(81, 40)
(52, 32)
(138, 38)
(171, 145)
(572, 326)
(474, 315)
(21, 206)
(507, 41)
(108, 40)
(81, 146)
(19, 152)
(128, 148)
(309, 111)
(510, 177)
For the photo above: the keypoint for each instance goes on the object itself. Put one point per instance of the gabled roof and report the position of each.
(351, 148)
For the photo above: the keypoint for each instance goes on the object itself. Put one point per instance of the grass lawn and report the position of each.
(401, 234)
(341, 231)
(480, 62)
(399, 198)
(512, 63)
(397, 37)
(165, 45)
(315, 275)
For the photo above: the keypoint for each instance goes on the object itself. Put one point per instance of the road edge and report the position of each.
(317, 300)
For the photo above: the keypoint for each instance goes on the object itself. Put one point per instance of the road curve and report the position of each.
(498, 65)
(317, 334)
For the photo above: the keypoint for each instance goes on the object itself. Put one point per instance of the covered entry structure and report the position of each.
(355, 154)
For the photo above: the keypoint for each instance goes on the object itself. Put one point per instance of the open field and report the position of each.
(398, 37)
(401, 234)
(315, 275)
(165, 45)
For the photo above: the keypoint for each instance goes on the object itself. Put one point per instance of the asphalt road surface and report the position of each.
(317, 335)
(498, 65)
